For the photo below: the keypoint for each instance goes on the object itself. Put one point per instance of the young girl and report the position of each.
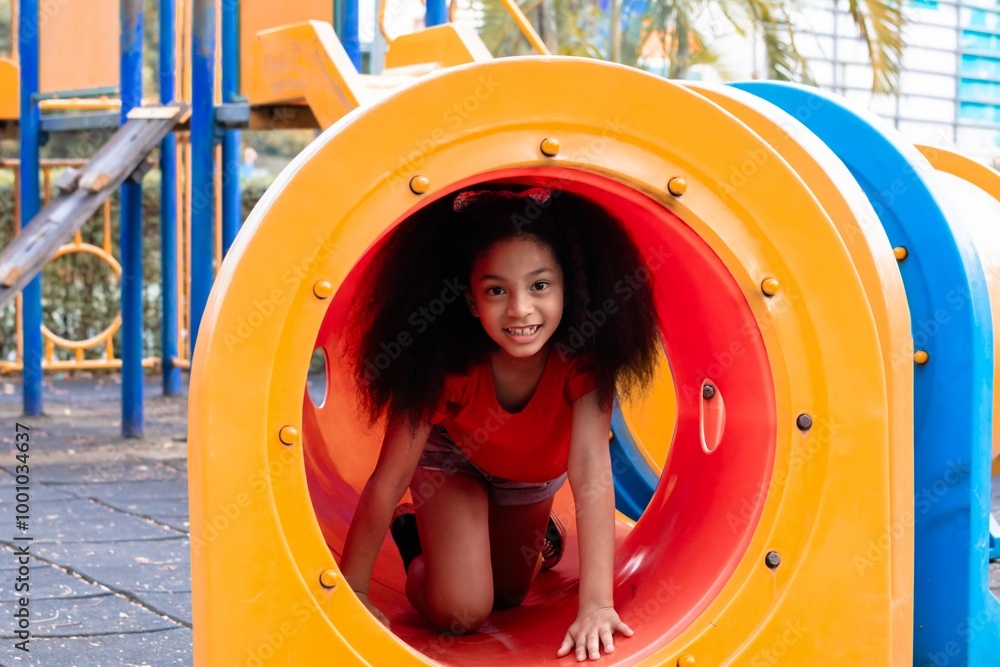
(516, 316)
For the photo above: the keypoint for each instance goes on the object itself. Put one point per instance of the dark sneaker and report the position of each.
(555, 543)
(404, 533)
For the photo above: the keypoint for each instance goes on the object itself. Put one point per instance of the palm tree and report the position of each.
(568, 27)
(684, 31)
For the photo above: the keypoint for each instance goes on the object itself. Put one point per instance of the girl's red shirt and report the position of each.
(527, 446)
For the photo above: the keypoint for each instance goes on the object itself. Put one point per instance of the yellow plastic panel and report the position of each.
(303, 63)
(857, 223)
(445, 45)
(258, 15)
(257, 549)
(986, 235)
(653, 430)
(10, 92)
(79, 45)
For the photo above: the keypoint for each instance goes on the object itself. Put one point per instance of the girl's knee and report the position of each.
(458, 612)
(511, 597)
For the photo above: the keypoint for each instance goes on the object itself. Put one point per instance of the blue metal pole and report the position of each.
(202, 160)
(437, 13)
(131, 230)
(349, 32)
(168, 207)
(232, 204)
(31, 327)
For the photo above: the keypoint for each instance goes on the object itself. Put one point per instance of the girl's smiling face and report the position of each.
(516, 291)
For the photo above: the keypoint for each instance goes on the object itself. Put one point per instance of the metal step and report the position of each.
(82, 192)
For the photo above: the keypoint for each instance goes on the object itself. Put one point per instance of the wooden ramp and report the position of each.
(82, 192)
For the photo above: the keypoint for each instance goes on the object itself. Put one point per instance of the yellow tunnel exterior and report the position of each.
(833, 492)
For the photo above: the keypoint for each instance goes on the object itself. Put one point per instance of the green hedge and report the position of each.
(80, 293)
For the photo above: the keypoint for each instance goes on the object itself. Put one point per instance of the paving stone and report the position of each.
(164, 648)
(152, 506)
(39, 492)
(46, 581)
(176, 605)
(180, 464)
(182, 523)
(103, 614)
(101, 471)
(80, 520)
(136, 566)
(114, 492)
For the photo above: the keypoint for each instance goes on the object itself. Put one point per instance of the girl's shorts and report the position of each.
(441, 453)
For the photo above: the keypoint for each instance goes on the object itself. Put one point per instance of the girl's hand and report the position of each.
(592, 628)
(372, 608)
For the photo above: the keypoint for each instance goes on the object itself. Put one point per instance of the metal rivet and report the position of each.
(772, 559)
(708, 392)
(804, 422)
(686, 660)
(677, 186)
(921, 357)
(289, 435)
(549, 147)
(901, 253)
(328, 579)
(420, 184)
(322, 289)
(770, 286)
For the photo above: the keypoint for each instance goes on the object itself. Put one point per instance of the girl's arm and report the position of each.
(397, 461)
(593, 490)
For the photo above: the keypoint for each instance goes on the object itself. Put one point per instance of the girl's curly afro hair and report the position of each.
(411, 326)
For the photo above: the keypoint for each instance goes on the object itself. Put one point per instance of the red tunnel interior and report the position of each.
(685, 547)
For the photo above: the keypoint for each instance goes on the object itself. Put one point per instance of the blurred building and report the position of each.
(949, 93)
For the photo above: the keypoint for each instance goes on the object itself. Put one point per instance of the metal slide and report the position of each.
(82, 192)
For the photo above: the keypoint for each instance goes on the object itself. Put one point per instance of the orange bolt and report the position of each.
(921, 357)
(770, 286)
(686, 660)
(549, 147)
(420, 184)
(901, 253)
(289, 435)
(328, 578)
(323, 289)
(677, 186)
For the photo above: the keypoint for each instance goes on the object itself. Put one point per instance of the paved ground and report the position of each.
(110, 579)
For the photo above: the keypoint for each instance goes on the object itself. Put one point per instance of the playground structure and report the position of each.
(97, 89)
(59, 79)
(815, 400)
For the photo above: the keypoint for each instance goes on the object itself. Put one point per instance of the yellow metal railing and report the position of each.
(522, 22)
(183, 269)
(525, 26)
(381, 20)
(77, 104)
